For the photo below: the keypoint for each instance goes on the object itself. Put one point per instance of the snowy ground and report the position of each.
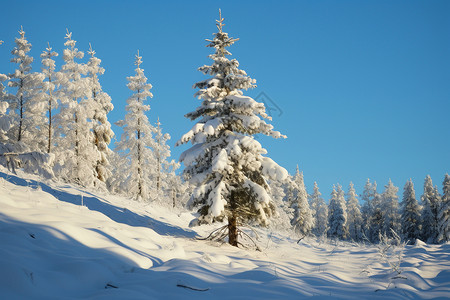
(51, 247)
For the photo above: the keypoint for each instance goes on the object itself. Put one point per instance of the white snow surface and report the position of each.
(53, 247)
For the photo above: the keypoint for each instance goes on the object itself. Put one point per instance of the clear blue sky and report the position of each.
(361, 88)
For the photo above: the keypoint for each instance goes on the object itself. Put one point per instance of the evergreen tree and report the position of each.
(372, 212)
(76, 154)
(24, 107)
(303, 221)
(319, 210)
(337, 214)
(48, 89)
(390, 212)
(354, 217)
(226, 163)
(444, 212)
(410, 217)
(101, 106)
(165, 168)
(136, 143)
(5, 123)
(431, 204)
(280, 198)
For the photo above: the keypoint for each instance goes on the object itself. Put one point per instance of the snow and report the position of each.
(117, 248)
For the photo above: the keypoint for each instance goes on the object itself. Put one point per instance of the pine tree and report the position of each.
(280, 199)
(76, 154)
(226, 163)
(431, 203)
(337, 214)
(303, 221)
(5, 123)
(354, 217)
(390, 212)
(372, 212)
(24, 106)
(136, 142)
(410, 216)
(320, 212)
(164, 168)
(48, 89)
(444, 212)
(101, 106)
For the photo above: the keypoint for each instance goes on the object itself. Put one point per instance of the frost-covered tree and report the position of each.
(281, 220)
(100, 107)
(48, 90)
(25, 106)
(337, 214)
(354, 217)
(5, 122)
(226, 163)
(372, 211)
(410, 213)
(390, 212)
(136, 143)
(164, 167)
(431, 204)
(320, 212)
(302, 221)
(76, 154)
(444, 212)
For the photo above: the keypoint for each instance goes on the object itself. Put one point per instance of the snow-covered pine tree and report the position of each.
(302, 221)
(5, 123)
(354, 217)
(226, 163)
(390, 212)
(164, 168)
(431, 204)
(281, 220)
(372, 211)
(101, 104)
(48, 89)
(76, 154)
(444, 212)
(136, 142)
(25, 107)
(410, 213)
(319, 211)
(337, 214)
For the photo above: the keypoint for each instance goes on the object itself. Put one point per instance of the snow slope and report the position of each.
(51, 247)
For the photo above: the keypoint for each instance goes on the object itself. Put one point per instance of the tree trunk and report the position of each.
(232, 231)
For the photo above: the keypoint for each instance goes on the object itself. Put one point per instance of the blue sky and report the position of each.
(361, 88)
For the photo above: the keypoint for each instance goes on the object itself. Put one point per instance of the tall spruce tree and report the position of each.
(320, 212)
(226, 163)
(24, 106)
(76, 154)
(5, 123)
(390, 212)
(48, 89)
(431, 204)
(410, 213)
(444, 212)
(100, 107)
(136, 143)
(337, 214)
(302, 221)
(354, 217)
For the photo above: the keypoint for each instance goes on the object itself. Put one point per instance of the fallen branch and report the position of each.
(192, 288)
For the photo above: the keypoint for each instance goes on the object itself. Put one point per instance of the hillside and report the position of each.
(53, 247)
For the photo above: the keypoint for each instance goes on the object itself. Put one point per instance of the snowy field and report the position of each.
(52, 247)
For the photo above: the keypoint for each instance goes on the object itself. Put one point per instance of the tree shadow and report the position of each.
(115, 213)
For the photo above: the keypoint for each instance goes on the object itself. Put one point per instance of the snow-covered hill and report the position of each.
(52, 247)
